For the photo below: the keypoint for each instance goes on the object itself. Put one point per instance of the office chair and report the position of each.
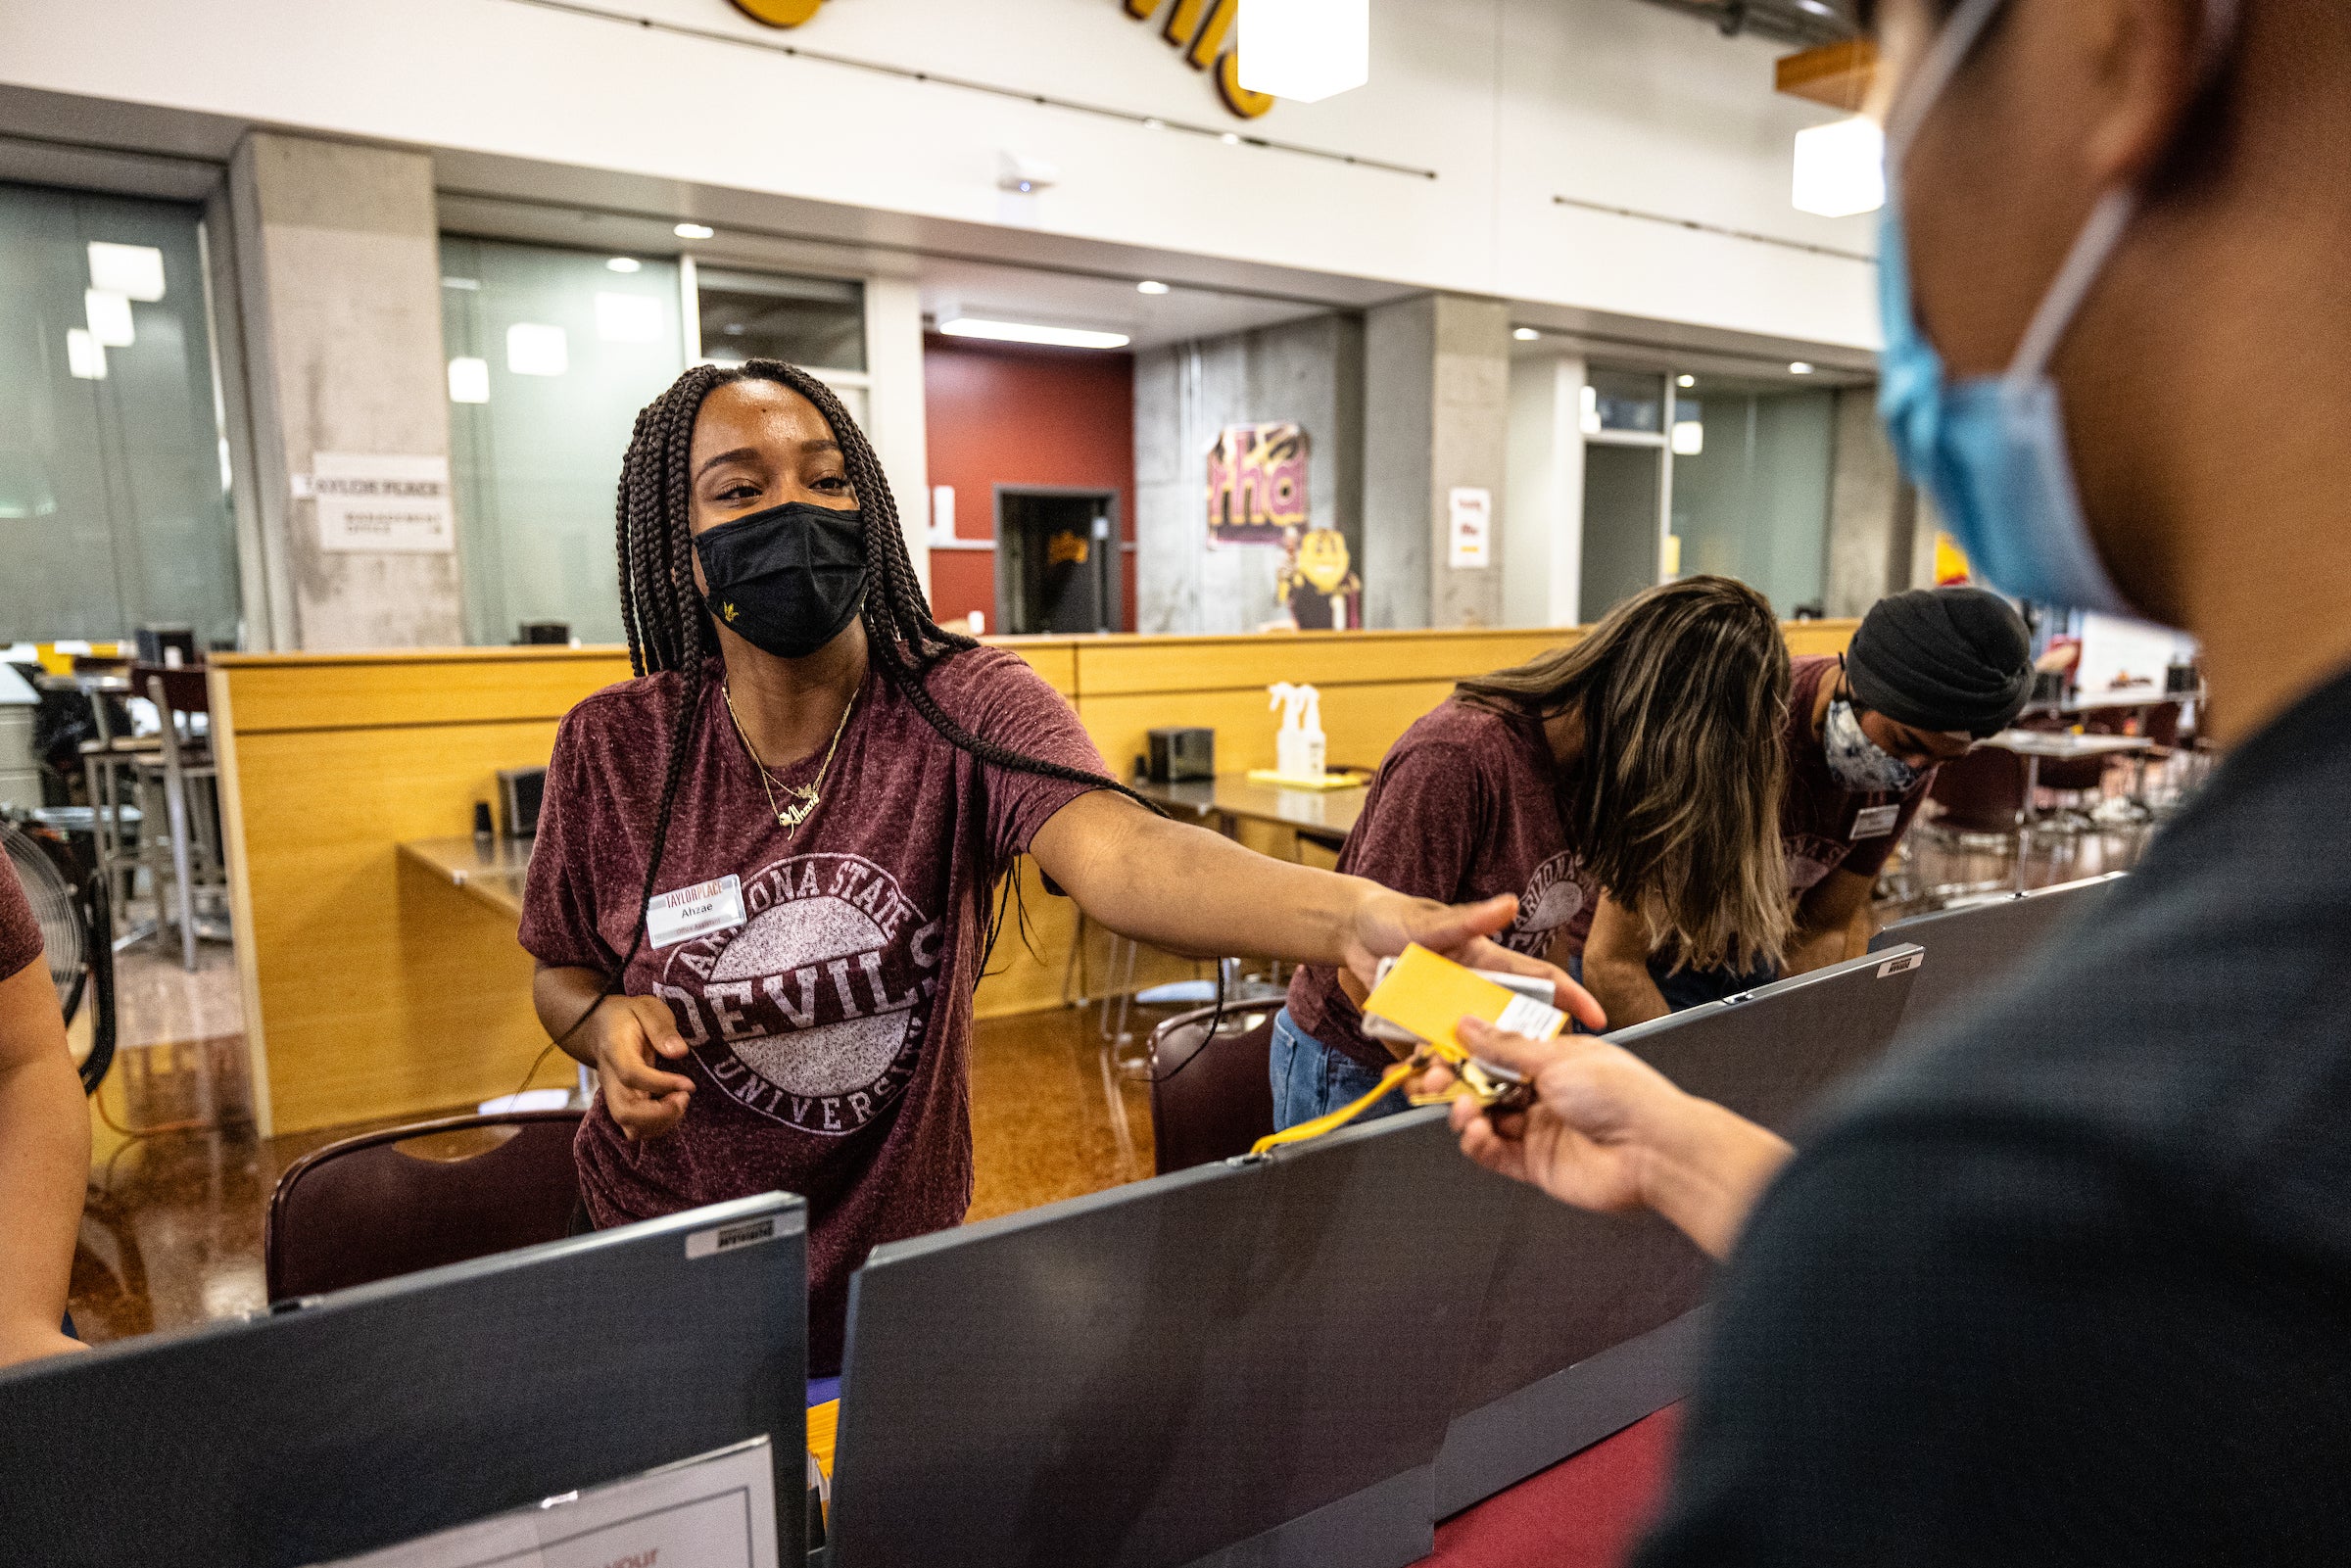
(364, 1209)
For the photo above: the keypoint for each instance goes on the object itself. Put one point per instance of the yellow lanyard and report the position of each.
(1469, 1078)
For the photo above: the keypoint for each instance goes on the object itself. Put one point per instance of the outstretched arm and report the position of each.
(1197, 893)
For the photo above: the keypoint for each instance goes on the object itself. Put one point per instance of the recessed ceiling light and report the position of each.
(1526, 334)
(1229, 139)
(1687, 382)
(964, 326)
(1155, 123)
(693, 231)
(1150, 286)
(624, 263)
(1800, 368)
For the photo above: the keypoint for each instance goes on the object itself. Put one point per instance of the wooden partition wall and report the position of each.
(375, 990)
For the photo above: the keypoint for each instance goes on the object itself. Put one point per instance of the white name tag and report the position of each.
(694, 910)
(1876, 822)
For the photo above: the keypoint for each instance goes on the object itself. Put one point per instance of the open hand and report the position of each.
(632, 1036)
(1386, 923)
(1608, 1132)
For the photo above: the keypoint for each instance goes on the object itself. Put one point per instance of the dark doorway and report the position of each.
(1057, 560)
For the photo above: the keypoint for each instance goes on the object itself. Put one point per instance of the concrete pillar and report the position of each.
(1543, 508)
(894, 415)
(1870, 516)
(338, 257)
(1436, 416)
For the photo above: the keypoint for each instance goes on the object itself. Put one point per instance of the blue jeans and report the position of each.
(1311, 1079)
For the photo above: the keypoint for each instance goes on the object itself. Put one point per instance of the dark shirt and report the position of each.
(2069, 1280)
(1820, 819)
(1465, 806)
(831, 1030)
(20, 932)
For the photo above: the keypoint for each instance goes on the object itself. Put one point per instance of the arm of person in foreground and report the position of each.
(1616, 966)
(44, 1167)
(1832, 922)
(1199, 893)
(1611, 1134)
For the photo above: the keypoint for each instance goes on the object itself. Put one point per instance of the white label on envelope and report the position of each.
(1875, 822)
(694, 910)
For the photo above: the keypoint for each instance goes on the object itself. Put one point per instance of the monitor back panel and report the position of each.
(394, 1409)
(1971, 951)
(1570, 1287)
(1150, 1377)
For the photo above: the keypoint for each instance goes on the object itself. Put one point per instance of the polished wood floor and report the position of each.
(173, 1230)
(179, 1182)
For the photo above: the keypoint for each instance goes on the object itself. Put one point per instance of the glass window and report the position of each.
(817, 322)
(1631, 402)
(1751, 489)
(552, 353)
(114, 468)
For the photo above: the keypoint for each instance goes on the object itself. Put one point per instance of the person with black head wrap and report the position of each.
(1929, 674)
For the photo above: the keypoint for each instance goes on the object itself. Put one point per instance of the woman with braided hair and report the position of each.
(760, 895)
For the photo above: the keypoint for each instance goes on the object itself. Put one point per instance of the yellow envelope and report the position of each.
(1426, 995)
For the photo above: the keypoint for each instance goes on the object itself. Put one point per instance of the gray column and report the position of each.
(338, 259)
(1870, 510)
(1436, 416)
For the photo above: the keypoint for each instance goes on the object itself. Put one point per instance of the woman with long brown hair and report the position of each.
(1641, 759)
(760, 897)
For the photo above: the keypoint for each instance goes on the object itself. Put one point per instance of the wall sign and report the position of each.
(367, 501)
(1256, 483)
(1202, 29)
(1470, 513)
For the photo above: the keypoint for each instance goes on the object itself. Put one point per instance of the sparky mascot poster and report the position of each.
(1257, 496)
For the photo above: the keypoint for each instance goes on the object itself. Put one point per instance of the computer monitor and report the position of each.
(371, 1416)
(1250, 1361)
(1593, 1321)
(1973, 948)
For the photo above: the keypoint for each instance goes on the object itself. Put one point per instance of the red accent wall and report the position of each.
(1008, 415)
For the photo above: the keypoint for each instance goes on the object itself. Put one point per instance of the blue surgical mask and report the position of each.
(1991, 450)
(1856, 761)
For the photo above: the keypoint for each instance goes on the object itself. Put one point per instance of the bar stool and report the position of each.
(179, 696)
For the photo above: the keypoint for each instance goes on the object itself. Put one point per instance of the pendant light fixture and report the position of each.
(1304, 50)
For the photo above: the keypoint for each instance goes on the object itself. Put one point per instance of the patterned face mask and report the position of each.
(1858, 762)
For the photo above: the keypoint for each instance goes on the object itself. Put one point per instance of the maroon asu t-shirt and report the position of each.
(830, 1029)
(1464, 807)
(1826, 827)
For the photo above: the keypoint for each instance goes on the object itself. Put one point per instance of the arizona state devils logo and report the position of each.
(811, 1011)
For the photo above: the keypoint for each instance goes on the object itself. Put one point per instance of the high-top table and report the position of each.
(1326, 816)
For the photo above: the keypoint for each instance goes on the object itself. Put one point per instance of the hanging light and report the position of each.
(1304, 50)
(1841, 169)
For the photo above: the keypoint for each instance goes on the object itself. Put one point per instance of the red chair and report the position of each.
(1211, 1100)
(1981, 792)
(365, 1209)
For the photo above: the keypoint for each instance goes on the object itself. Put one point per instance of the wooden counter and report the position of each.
(376, 984)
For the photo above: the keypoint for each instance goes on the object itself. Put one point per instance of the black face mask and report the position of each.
(785, 580)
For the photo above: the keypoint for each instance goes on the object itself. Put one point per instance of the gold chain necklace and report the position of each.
(805, 798)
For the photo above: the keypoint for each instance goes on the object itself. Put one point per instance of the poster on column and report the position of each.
(715, 1511)
(1470, 516)
(368, 502)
